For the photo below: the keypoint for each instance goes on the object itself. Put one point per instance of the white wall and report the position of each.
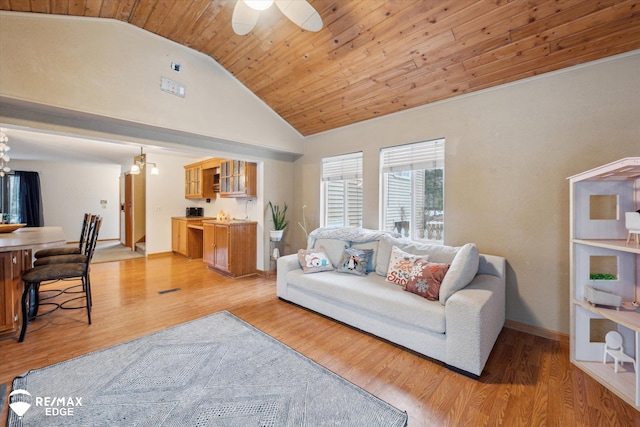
(508, 153)
(111, 69)
(69, 190)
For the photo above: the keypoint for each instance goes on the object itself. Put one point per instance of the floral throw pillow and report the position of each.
(425, 279)
(314, 260)
(401, 266)
(354, 261)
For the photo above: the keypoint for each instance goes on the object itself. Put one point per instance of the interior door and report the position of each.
(128, 211)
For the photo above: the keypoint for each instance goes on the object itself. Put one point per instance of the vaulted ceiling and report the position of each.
(376, 57)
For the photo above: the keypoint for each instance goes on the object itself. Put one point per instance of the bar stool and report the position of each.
(68, 258)
(50, 273)
(68, 249)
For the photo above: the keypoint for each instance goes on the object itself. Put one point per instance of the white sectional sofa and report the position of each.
(459, 328)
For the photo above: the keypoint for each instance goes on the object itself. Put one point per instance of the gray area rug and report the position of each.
(213, 371)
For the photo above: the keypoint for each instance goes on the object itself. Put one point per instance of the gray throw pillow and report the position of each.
(354, 261)
(464, 268)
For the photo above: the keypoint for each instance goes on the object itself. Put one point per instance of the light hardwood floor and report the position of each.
(528, 380)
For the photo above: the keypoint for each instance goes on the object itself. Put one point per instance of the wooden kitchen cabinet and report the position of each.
(208, 237)
(221, 245)
(12, 266)
(179, 236)
(228, 178)
(230, 247)
(202, 179)
(193, 181)
(238, 178)
(187, 235)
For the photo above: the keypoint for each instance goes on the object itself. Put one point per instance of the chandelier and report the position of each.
(139, 163)
(4, 157)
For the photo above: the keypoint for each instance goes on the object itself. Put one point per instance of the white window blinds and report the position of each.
(416, 156)
(340, 168)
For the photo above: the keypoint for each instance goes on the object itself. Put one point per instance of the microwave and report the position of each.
(195, 212)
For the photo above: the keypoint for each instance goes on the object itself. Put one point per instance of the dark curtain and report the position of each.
(30, 199)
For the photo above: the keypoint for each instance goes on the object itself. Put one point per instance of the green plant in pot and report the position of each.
(279, 218)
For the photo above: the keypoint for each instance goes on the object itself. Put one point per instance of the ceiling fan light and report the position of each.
(135, 170)
(312, 23)
(244, 18)
(154, 170)
(301, 13)
(259, 4)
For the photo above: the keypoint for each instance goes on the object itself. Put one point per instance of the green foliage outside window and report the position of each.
(433, 190)
(602, 276)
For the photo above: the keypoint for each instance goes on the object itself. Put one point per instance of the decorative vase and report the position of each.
(276, 235)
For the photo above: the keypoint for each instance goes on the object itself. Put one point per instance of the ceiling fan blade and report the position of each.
(244, 18)
(301, 13)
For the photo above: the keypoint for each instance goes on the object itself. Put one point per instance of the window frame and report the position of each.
(345, 169)
(412, 160)
(10, 199)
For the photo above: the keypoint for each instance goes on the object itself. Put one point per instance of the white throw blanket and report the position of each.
(350, 234)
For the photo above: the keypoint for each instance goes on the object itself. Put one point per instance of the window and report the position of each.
(342, 190)
(413, 190)
(20, 199)
(10, 199)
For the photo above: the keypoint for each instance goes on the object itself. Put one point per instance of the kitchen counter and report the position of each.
(230, 222)
(31, 238)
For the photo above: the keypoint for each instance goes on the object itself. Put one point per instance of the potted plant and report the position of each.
(278, 217)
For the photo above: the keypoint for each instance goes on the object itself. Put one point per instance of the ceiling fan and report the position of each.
(246, 13)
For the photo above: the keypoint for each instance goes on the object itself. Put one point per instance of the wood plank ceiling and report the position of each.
(375, 57)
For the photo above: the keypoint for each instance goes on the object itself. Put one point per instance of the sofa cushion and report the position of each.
(401, 266)
(333, 248)
(354, 261)
(372, 294)
(373, 246)
(437, 253)
(426, 279)
(462, 271)
(314, 260)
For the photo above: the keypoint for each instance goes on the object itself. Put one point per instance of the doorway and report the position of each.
(134, 211)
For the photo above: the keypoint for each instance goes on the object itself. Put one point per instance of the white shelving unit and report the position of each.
(599, 199)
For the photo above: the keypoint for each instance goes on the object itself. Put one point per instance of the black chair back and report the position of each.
(92, 237)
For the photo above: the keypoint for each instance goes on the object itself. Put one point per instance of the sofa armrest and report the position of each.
(286, 264)
(492, 264)
(474, 318)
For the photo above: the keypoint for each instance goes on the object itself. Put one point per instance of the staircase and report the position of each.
(141, 248)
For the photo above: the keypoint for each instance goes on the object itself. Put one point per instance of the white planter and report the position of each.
(276, 235)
